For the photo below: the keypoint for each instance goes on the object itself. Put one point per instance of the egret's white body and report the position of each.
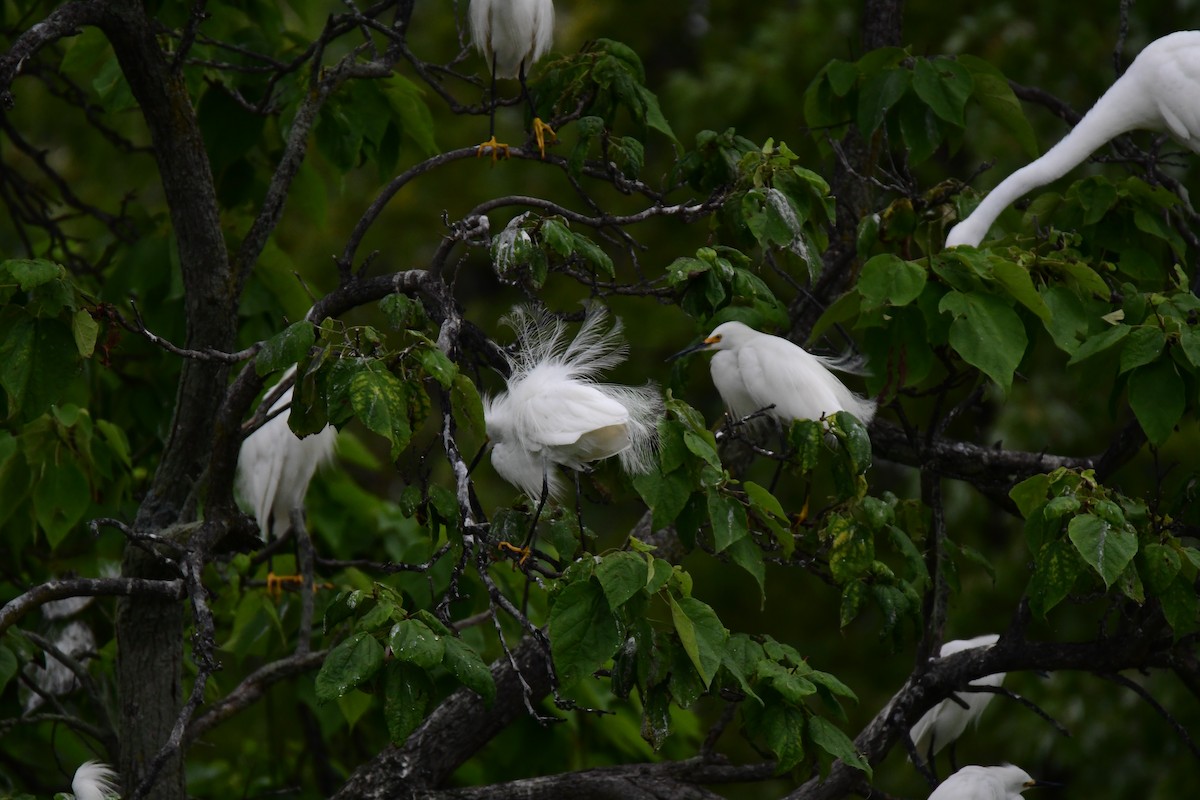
(555, 412)
(56, 679)
(984, 783)
(946, 721)
(511, 34)
(275, 467)
(94, 781)
(1158, 92)
(753, 370)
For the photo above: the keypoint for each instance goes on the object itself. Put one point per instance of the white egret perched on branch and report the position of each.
(754, 370)
(946, 721)
(94, 781)
(1005, 782)
(555, 411)
(275, 467)
(511, 35)
(1158, 92)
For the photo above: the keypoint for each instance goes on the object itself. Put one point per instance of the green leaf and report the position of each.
(415, 119)
(350, 664)
(31, 273)
(437, 365)
(666, 495)
(1058, 565)
(285, 348)
(466, 401)
(944, 86)
(892, 280)
(1068, 318)
(583, 631)
(763, 500)
(997, 98)
(1097, 344)
(407, 694)
(852, 551)
(85, 328)
(60, 497)
(1143, 346)
(853, 435)
(1015, 279)
(701, 633)
(622, 575)
(378, 399)
(469, 668)
(1030, 493)
(1157, 397)
(38, 359)
(1107, 548)
(832, 740)
(987, 333)
(728, 518)
(749, 556)
(1189, 341)
(782, 728)
(412, 640)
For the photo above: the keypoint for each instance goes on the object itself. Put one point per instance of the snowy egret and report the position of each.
(555, 412)
(94, 781)
(946, 721)
(1158, 92)
(511, 35)
(275, 466)
(754, 370)
(1005, 782)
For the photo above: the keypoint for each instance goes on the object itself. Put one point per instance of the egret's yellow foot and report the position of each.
(512, 548)
(802, 517)
(496, 149)
(540, 130)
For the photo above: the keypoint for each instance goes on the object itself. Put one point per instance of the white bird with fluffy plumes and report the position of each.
(94, 781)
(754, 370)
(985, 783)
(75, 641)
(555, 411)
(1158, 92)
(511, 35)
(947, 720)
(275, 466)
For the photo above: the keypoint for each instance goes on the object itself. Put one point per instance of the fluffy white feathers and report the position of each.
(946, 721)
(512, 34)
(753, 370)
(275, 467)
(555, 411)
(94, 781)
(1005, 782)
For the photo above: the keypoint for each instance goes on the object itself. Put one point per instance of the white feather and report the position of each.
(1158, 92)
(947, 720)
(984, 783)
(753, 370)
(515, 33)
(275, 467)
(94, 781)
(554, 411)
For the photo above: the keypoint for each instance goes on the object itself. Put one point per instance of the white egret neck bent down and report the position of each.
(275, 466)
(511, 35)
(1158, 92)
(555, 412)
(947, 720)
(753, 370)
(94, 781)
(1005, 782)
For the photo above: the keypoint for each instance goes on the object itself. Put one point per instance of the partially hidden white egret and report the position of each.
(94, 781)
(275, 466)
(511, 35)
(554, 412)
(1005, 782)
(1158, 92)
(75, 641)
(753, 370)
(946, 721)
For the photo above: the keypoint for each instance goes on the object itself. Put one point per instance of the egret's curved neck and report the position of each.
(1124, 107)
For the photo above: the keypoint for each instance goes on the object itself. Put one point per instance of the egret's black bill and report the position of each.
(702, 345)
